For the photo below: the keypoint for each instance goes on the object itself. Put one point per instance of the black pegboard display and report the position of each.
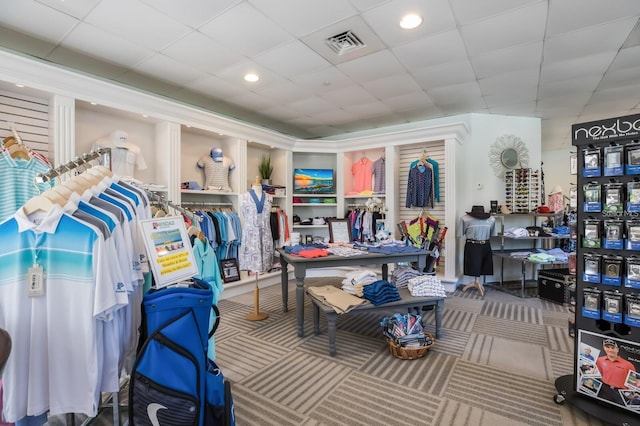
(607, 341)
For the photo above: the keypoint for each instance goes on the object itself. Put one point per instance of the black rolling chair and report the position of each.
(5, 348)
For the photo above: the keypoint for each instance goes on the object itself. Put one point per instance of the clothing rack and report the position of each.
(206, 204)
(157, 198)
(74, 164)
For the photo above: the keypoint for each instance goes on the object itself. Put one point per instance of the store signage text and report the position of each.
(609, 129)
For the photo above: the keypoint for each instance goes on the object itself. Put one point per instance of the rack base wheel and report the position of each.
(559, 399)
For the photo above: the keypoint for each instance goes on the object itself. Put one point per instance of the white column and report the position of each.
(450, 149)
(167, 158)
(62, 129)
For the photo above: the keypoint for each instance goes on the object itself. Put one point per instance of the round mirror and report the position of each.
(509, 158)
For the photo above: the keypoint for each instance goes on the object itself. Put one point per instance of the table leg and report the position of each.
(331, 322)
(385, 271)
(300, 272)
(524, 279)
(439, 309)
(316, 319)
(284, 284)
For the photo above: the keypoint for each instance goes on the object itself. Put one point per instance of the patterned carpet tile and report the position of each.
(454, 413)
(352, 350)
(451, 342)
(365, 400)
(549, 305)
(557, 319)
(428, 374)
(512, 312)
(454, 319)
(521, 398)
(298, 380)
(559, 339)
(244, 355)
(508, 329)
(562, 363)
(254, 409)
(461, 303)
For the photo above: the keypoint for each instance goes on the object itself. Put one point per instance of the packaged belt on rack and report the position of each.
(632, 310)
(613, 231)
(591, 303)
(612, 269)
(633, 234)
(592, 197)
(613, 160)
(591, 238)
(632, 279)
(592, 269)
(613, 198)
(612, 303)
(592, 162)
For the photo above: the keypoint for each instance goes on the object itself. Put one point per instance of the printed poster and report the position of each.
(169, 248)
(608, 369)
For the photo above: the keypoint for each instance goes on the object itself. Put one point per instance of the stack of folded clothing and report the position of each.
(427, 286)
(355, 280)
(402, 274)
(381, 292)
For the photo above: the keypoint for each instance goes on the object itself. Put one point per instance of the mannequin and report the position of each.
(126, 157)
(256, 251)
(477, 226)
(216, 168)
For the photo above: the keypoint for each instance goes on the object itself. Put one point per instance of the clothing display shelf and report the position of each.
(314, 206)
(523, 287)
(522, 190)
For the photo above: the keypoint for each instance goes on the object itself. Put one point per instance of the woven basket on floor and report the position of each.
(410, 353)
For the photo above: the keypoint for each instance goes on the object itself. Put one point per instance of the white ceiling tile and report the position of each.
(524, 95)
(306, 121)
(431, 50)
(302, 17)
(168, 69)
(280, 112)
(352, 95)
(619, 78)
(113, 49)
(322, 81)
(524, 109)
(521, 26)
(629, 96)
(583, 84)
(368, 110)
(514, 58)
(409, 102)
(509, 82)
(372, 67)
(216, 87)
(37, 20)
(250, 100)
(456, 93)
(570, 15)
(280, 60)
(76, 8)
(200, 52)
(603, 111)
(363, 5)
(469, 11)
(194, 13)
(312, 105)
(236, 72)
(420, 114)
(550, 107)
(576, 67)
(626, 58)
(436, 17)
(282, 93)
(147, 26)
(245, 30)
(388, 87)
(444, 75)
(335, 116)
(144, 82)
(589, 41)
(463, 106)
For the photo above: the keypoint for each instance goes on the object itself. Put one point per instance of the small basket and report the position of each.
(401, 352)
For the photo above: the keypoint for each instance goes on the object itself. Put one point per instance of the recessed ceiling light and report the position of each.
(93, 103)
(251, 77)
(19, 85)
(410, 21)
(145, 115)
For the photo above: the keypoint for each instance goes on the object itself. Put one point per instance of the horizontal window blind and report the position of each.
(30, 116)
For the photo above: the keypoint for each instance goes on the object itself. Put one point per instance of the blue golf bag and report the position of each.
(172, 381)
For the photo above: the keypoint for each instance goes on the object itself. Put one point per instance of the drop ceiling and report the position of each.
(564, 61)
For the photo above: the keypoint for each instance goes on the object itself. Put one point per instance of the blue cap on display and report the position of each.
(216, 154)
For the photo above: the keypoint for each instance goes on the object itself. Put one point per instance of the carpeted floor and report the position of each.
(494, 365)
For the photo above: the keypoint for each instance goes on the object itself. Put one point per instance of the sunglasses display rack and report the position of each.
(607, 310)
(522, 190)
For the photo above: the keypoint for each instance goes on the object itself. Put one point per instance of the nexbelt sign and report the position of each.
(606, 130)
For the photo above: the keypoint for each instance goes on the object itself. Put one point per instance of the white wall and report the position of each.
(556, 170)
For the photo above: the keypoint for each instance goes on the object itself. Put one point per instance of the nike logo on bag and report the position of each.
(152, 412)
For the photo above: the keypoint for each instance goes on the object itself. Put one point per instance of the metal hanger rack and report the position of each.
(74, 164)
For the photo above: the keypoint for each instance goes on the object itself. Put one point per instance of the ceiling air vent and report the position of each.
(344, 42)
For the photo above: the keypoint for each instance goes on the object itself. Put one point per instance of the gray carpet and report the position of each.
(494, 365)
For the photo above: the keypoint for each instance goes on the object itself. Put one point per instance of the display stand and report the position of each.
(256, 315)
(592, 407)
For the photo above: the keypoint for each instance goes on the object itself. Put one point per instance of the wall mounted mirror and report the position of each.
(509, 158)
(508, 152)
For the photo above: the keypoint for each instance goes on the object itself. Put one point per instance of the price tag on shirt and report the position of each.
(35, 280)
